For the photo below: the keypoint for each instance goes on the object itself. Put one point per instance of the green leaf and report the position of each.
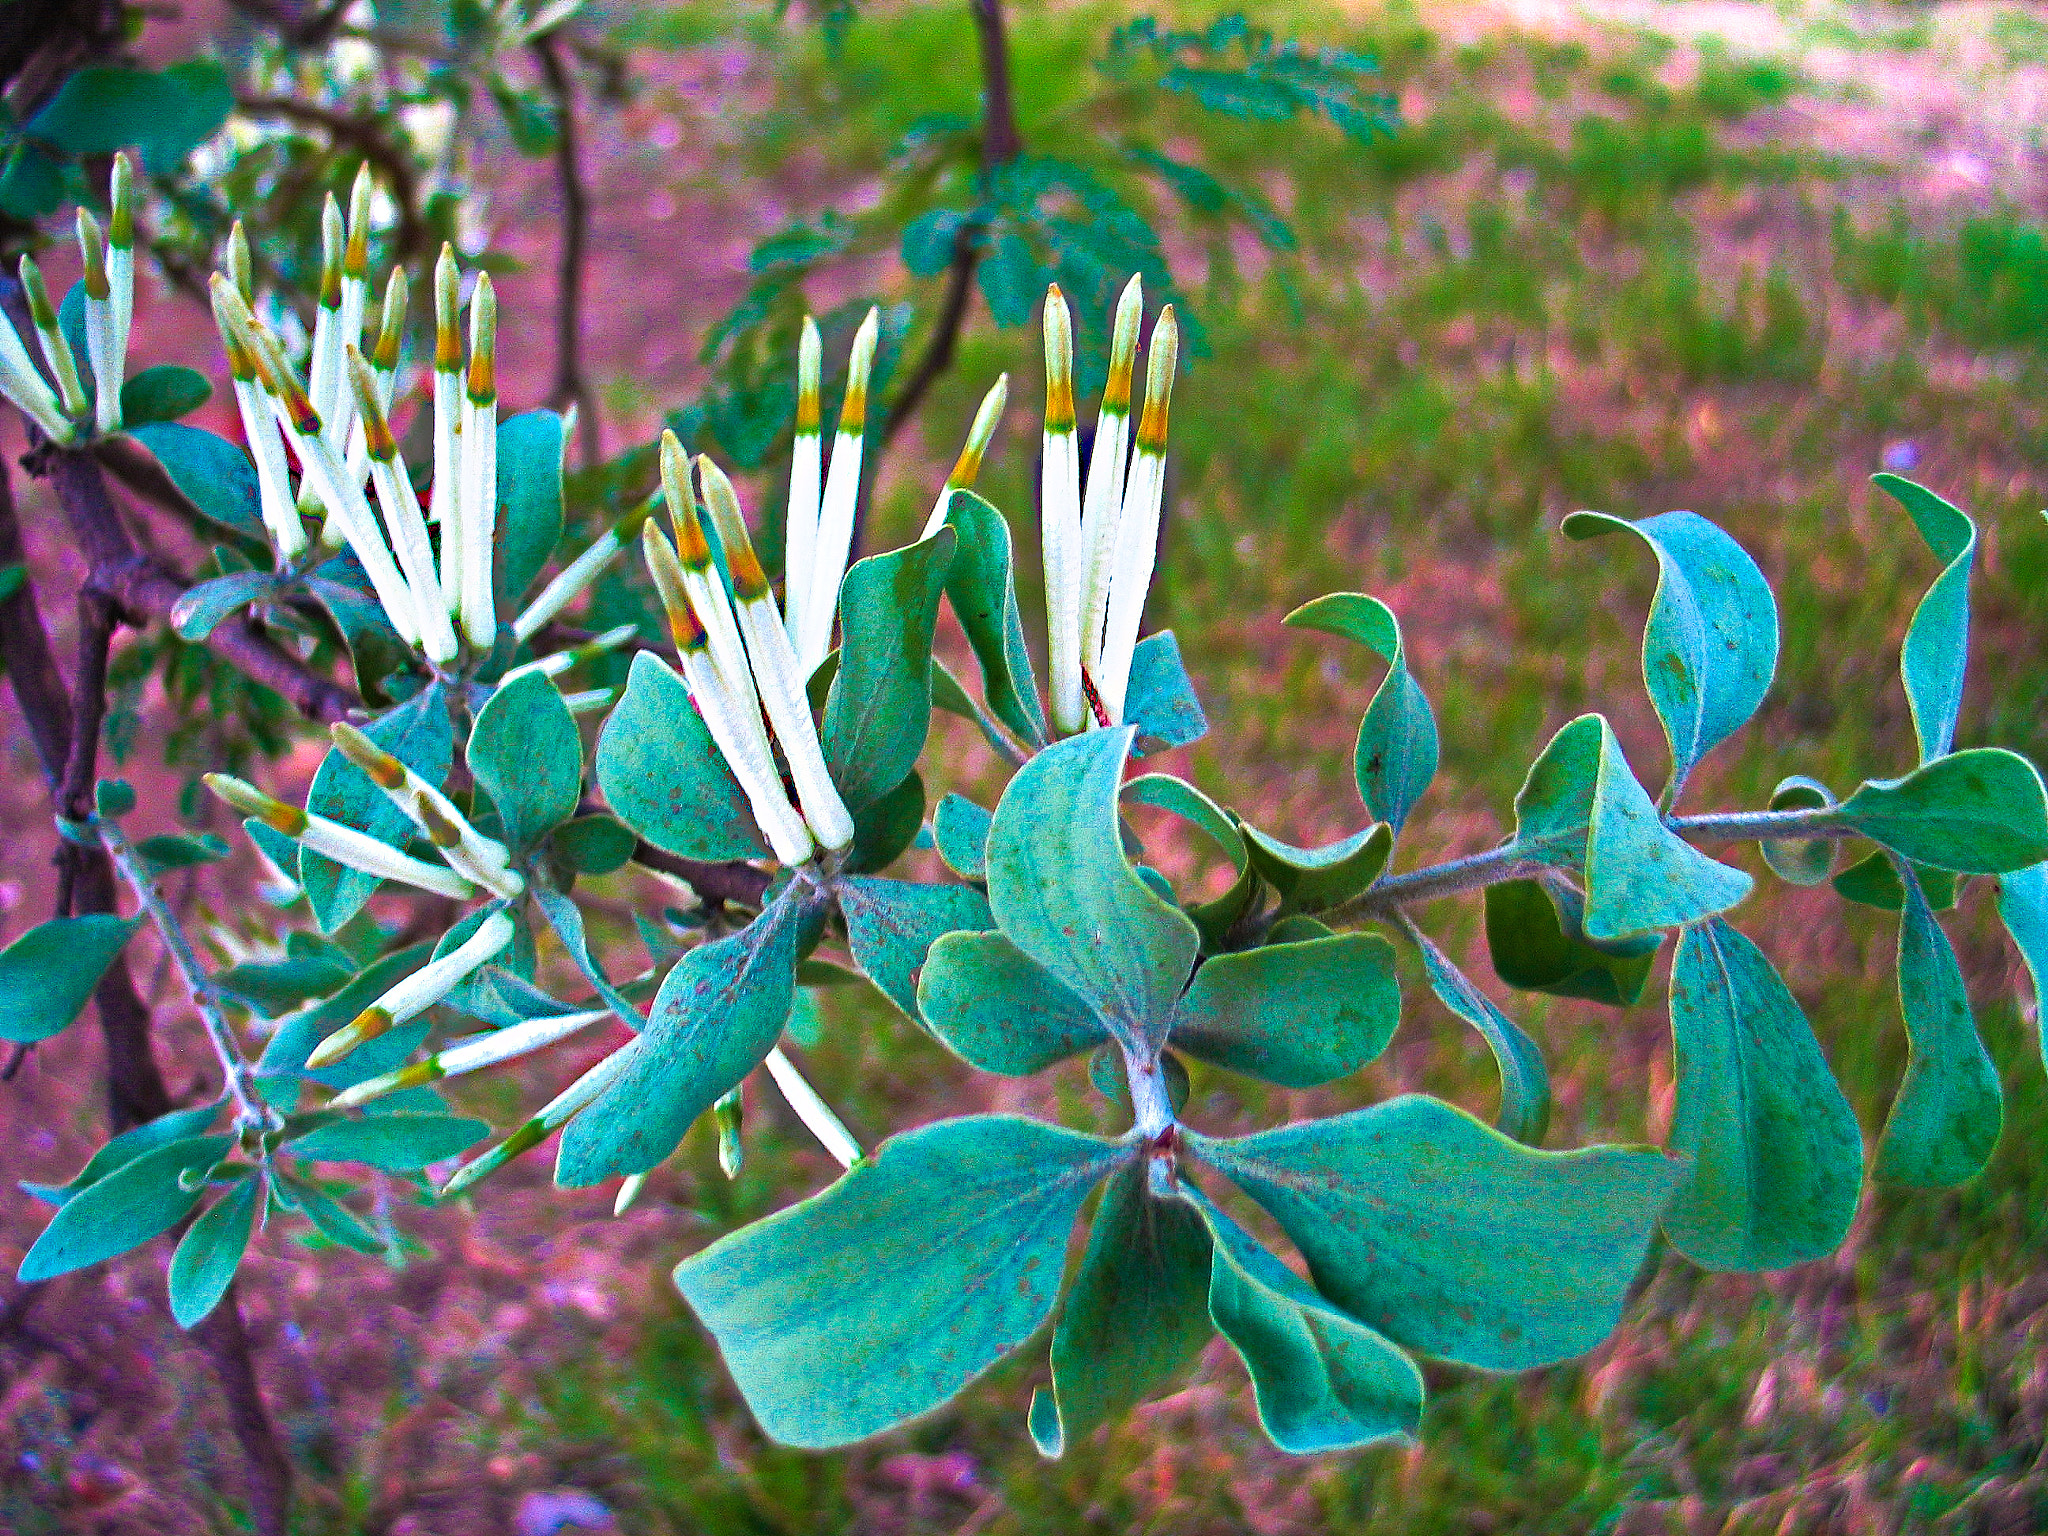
(123, 1210)
(125, 1148)
(283, 1061)
(1524, 1079)
(1294, 1014)
(1936, 652)
(593, 845)
(1777, 1157)
(880, 706)
(526, 754)
(1873, 881)
(1135, 1317)
(1640, 875)
(71, 321)
(1396, 755)
(275, 987)
(716, 1017)
(31, 182)
(663, 775)
(396, 1143)
(374, 649)
(1711, 644)
(885, 827)
(1535, 931)
(1160, 700)
(891, 925)
(530, 449)
(928, 241)
(47, 974)
(1945, 1121)
(419, 735)
(1451, 1239)
(2023, 904)
(1316, 879)
(1800, 861)
(1012, 279)
(1212, 919)
(163, 393)
(1980, 812)
(211, 1251)
(998, 1009)
(960, 833)
(1323, 1381)
(330, 1218)
(165, 114)
(882, 1297)
(202, 608)
(983, 591)
(1062, 891)
(169, 851)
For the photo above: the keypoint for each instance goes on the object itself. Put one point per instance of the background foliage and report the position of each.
(1613, 268)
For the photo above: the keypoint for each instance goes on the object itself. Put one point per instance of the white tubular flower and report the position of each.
(99, 325)
(776, 671)
(56, 347)
(484, 860)
(480, 468)
(347, 508)
(590, 701)
(120, 289)
(835, 508)
(553, 1116)
(806, 477)
(403, 520)
(417, 993)
(561, 661)
(1102, 507)
(259, 426)
(1137, 539)
(333, 840)
(469, 1055)
(706, 588)
(967, 468)
(1059, 501)
(383, 361)
(241, 270)
(577, 575)
(737, 734)
(323, 368)
(445, 504)
(21, 383)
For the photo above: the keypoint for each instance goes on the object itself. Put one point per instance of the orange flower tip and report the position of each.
(749, 581)
(441, 830)
(365, 1027)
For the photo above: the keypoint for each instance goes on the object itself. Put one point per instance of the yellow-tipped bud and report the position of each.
(377, 437)
(92, 246)
(361, 1030)
(810, 358)
(121, 189)
(986, 419)
(674, 591)
(853, 415)
(749, 581)
(241, 270)
(333, 243)
(1159, 369)
(280, 380)
(250, 801)
(55, 344)
(1123, 347)
(355, 260)
(691, 545)
(386, 771)
(447, 312)
(1059, 362)
(391, 322)
(442, 831)
(483, 341)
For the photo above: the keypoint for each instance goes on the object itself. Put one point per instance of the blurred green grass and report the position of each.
(1611, 272)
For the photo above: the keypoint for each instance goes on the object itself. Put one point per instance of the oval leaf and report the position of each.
(1937, 646)
(1397, 748)
(526, 754)
(1524, 1079)
(880, 706)
(47, 974)
(663, 775)
(1980, 812)
(1294, 1014)
(211, 1251)
(123, 1210)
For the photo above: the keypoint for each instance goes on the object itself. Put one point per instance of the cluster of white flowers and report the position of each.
(64, 413)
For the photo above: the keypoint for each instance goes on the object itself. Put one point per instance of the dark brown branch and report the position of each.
(225, 1342)
(366, 137)
(735, 882)
(1001, 142)
(141, 475)
(570, 386)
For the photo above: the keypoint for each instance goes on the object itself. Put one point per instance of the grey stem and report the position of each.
(250, 1108)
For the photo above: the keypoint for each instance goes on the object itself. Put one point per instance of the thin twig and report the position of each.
(364, 135)
(570, 386)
